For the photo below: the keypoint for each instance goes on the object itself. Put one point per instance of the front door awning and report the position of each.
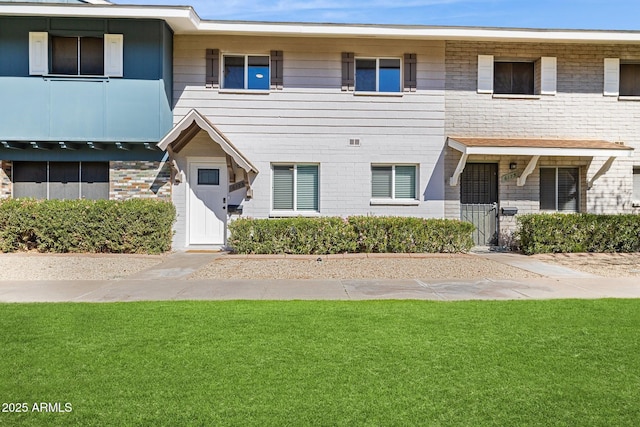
(190, 125)
(535, 148)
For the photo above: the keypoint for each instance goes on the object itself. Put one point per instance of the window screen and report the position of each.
(513, 78)
(64, 55)
(77, 56)
(234, 72)
(629, 79)
(366, 75)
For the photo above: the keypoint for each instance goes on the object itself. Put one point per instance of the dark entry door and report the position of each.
(479, 201)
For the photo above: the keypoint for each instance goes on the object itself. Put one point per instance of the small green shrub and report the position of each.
(132, 226)
(332, 235)
(411, 235)
(564, 233)
(326, 235)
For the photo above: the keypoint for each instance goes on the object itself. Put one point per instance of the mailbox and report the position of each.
(235, 209)
(509, 211)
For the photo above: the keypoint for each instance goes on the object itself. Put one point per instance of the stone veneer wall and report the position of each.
(139, 179)
(5, 179)
(577, 111)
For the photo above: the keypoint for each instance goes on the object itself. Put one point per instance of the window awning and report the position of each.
(536, 147)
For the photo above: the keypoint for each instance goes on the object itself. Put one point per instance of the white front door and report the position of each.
(207, 203)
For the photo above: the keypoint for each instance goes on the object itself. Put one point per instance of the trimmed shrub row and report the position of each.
(545, 233)
(132, 226)
(334, 235)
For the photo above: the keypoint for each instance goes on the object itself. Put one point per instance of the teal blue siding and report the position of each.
(134, 108)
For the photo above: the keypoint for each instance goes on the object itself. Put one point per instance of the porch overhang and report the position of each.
(535, 148)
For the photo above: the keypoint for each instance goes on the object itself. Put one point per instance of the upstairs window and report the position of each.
(515, 78)
(246, 72)
(100, 55)
(377, 75)
(77, 56)
(520, 78)
(629, 79)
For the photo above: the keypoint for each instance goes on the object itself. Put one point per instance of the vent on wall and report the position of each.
(354, 142)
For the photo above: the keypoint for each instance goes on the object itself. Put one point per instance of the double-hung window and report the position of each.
(560, 189)
(394, 182)
(295, 188)
(246, 72)
(377, 75)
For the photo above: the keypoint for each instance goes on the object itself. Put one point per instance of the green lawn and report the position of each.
(571, 363)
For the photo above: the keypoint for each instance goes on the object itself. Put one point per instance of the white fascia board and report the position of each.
(536, 151)
(179, 18)
(414, 32)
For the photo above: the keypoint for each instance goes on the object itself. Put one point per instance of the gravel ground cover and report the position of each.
(458, 266)
(607, 265)
(25, 266)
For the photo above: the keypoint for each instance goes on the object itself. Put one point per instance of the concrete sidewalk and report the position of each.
(423, 289)
(166, 281)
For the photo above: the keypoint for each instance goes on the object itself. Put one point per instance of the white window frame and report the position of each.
(578, 189)
(393, 200)
(39, 55)
(246, 72)
(294, 211)
(377, 59)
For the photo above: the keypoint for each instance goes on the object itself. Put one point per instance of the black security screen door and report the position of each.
(479, 201)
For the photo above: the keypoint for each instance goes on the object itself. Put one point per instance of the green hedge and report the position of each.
(552, 233)
(333, 235)
(132, 226)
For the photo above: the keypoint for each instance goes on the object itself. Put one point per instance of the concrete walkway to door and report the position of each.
(168, 281)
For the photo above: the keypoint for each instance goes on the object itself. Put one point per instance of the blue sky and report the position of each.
(565, 14)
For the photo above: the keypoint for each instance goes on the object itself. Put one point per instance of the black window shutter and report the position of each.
(348, 71)
(410, 70)
(213, 68)
(277, 68)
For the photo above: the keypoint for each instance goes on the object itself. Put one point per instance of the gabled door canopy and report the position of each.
(190, 125)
